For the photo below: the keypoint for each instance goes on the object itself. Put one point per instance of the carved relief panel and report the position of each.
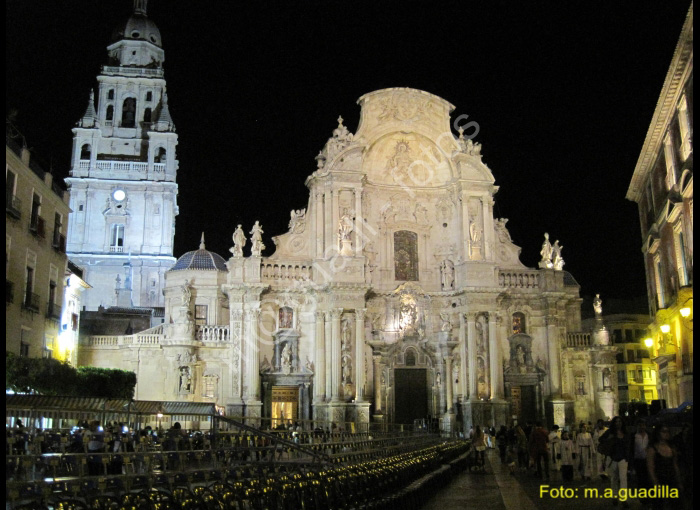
(405, 256)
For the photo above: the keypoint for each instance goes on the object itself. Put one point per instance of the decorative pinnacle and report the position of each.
(201, 243)
(340, 121)
(461, 132)
(140, 7)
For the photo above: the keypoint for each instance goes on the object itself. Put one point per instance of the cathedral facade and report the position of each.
(396, 295)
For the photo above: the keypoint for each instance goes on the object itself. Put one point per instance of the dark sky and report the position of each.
(563, 93)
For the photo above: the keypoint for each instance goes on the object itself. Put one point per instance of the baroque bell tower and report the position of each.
(123, 174)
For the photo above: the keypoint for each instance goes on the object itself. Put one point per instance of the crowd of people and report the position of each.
(625, 457)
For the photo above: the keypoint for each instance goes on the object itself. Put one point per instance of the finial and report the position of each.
(461, 132)
(340, 121)
(201, 243)
(140, 7)
(92, 95)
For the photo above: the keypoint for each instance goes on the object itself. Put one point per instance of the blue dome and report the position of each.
(201, 260)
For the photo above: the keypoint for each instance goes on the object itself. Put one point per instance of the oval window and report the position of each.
(135, 34)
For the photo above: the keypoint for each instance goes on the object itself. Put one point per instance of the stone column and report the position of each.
(328, 355)
(464, 220)
(495, 359)
(319, 224)
(328, 222)
(463, 356)
(377, 384)
(254, 357)
(335, 240)
(489, 233)
(335, 362)
(553, 353)
(320, 368)
(359, 240)
(448, 384)
(360, 354)
(471, 347)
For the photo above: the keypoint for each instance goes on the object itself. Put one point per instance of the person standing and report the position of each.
(539, 440)
(598, 432)
(641, 443)
(502, 442)
(662, 466)
(479, 444)
(566, 457)
(554, 443)
(618, 456)
(521, 448)
(586, 451)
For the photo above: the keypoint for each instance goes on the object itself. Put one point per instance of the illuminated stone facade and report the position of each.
(662, 186)
(395, 295)
(123, 172)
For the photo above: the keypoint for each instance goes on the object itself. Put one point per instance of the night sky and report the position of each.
(563, 93)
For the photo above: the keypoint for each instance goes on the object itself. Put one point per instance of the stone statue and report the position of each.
(286, 359)
(446, 323)
(557, 260)
(606, 379)
(347, 370)
(438, 379)
(447, 274)
(265, 365)
(309, 365)
(474, 232)
(297, 222)
(239, 241)
(520, 356)
(546, 253)
(345, 228)
(257, 245)
(503, 234)
(185, 380)
(186, 294)
(345, 337)
(598, 305)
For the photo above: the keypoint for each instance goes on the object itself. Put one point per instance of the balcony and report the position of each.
(121, 167)
(31, 302)
(59, 242)
(13, 206)
(518, 279)
(132, 71)
(53, 311)
(116, 249)
(9, 292)
(38, 227)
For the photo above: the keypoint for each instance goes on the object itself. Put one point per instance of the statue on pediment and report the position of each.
(546, 253)
(239, 241)
(257, 245)
(297, 222)
(447, 275)
(557, 260)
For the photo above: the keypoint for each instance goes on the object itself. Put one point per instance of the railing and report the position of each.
(132, 71)
(116, 249)
(122, 166)
(150, 336)
(518, 279)
(13, 206)
(285, 270)
(31, 302)
(207, 333)
(578, 340)
(53, 311)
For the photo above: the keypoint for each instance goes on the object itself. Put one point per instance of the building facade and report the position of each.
(395, 295)
(35, 253)
(662, 186)
(123, 174)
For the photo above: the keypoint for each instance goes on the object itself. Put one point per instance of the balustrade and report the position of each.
(208, 333)
(519, 279)
(285, 270)
(578, 340)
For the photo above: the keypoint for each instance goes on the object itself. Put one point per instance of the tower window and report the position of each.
(110, 94)
(116, 243)
(129, 113)
(519, 323)
(85, 151)
(110, 113)
(147, 115)
(149, 96)
(160, 155)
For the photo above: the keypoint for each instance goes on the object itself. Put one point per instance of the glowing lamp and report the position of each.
(665, 328)
(649, 342)
(685, 312)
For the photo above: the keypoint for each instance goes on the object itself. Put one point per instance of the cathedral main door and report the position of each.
(410, 394)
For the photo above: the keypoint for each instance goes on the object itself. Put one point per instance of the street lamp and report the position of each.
(665, 329)
(649, 342)
(685, 312)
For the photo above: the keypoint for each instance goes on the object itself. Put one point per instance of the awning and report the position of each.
(67, 408)
(78, 408)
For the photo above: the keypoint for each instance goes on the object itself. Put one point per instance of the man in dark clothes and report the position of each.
(539, 438)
